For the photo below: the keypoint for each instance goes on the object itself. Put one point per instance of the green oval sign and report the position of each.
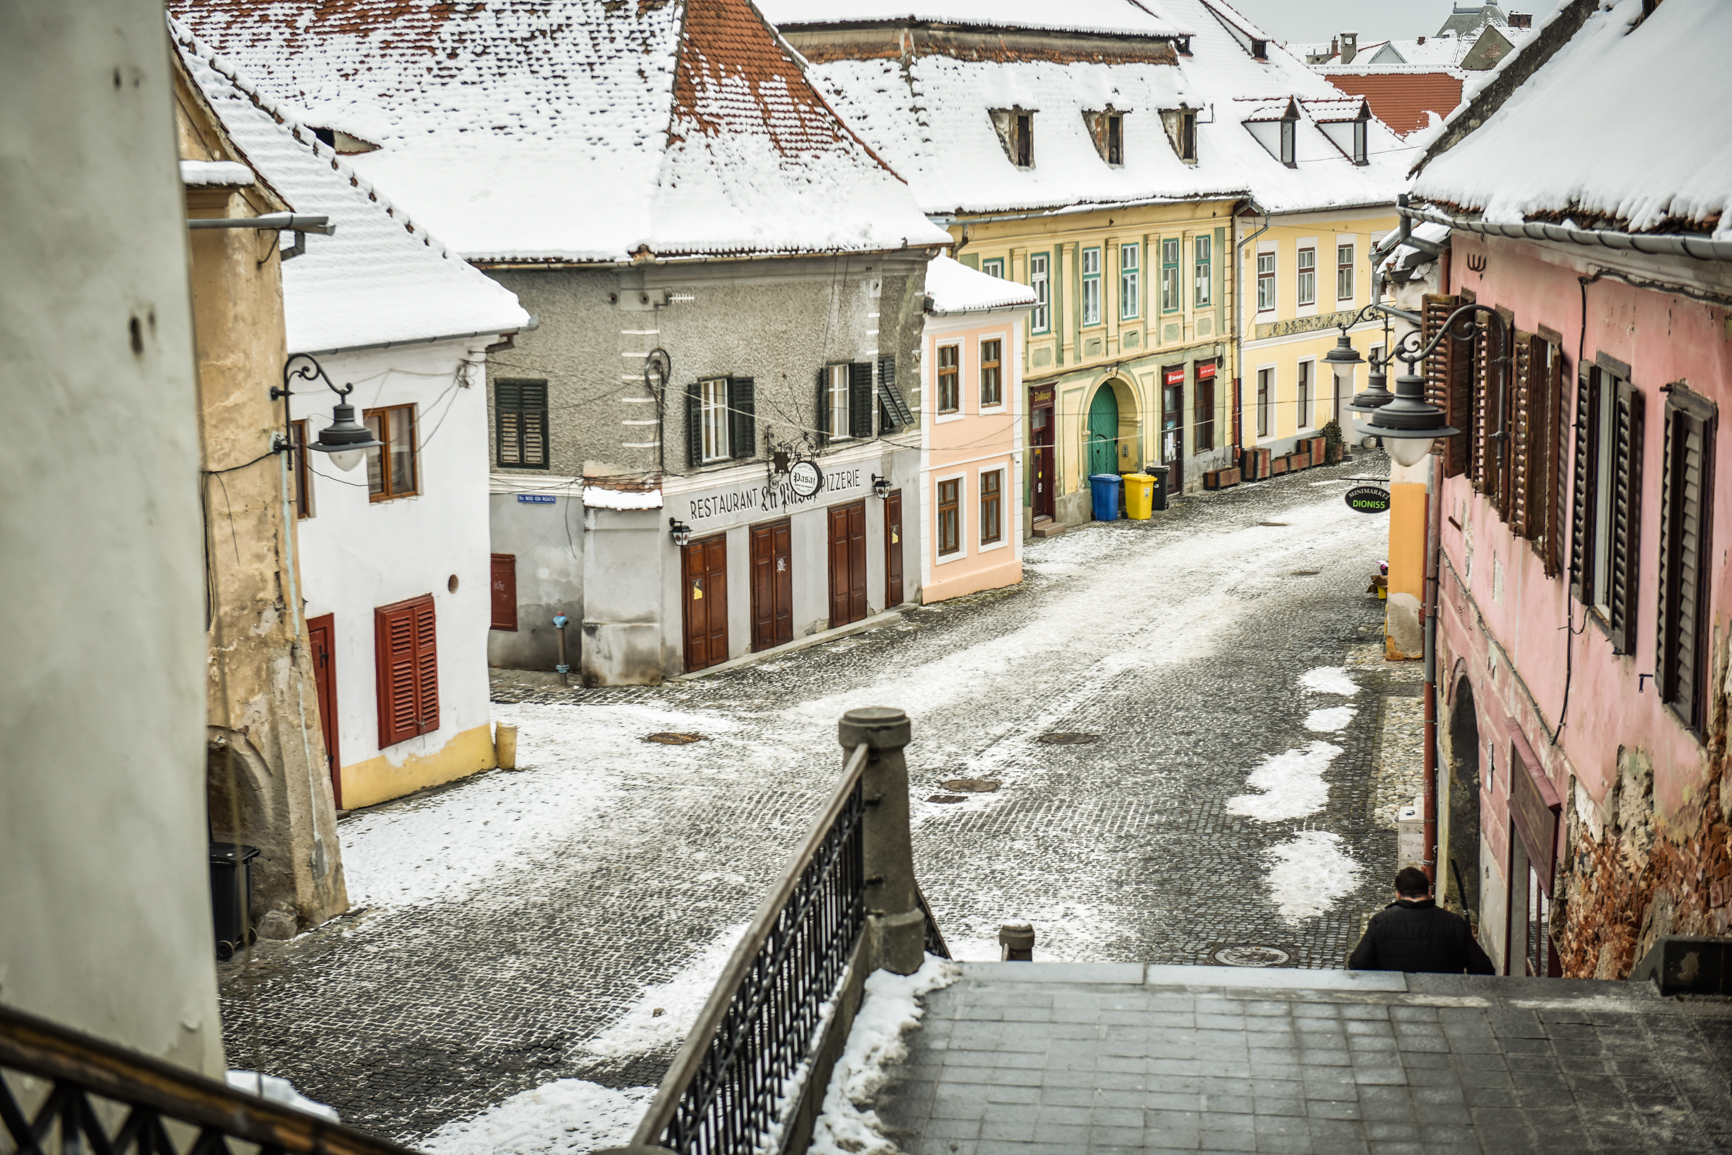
(1368, 499)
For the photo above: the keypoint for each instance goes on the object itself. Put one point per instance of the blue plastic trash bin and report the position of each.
(1105, 488)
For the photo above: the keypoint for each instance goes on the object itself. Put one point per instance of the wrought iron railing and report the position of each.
(63, 1092)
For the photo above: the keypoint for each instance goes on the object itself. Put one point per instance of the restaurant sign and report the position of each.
(803, 485)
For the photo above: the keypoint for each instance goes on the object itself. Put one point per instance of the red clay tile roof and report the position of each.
(1401, 100)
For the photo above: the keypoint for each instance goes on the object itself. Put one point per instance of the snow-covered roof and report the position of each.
(929, 116)
(1113, 16)
(1617, 129)
(953, 287)
(588, 130)
(381, 278)
(1410, 262)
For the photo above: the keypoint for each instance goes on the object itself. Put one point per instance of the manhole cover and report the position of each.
(971, 785)
(945, 798)
(1281, 523)
(1251, 956)
(1306, 572)
(667, 738)
(1059, 738)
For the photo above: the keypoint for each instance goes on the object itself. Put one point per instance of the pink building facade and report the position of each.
(1580, 523)
(971, 416)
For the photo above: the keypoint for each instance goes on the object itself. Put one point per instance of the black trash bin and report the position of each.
(230, 887)
(1160, 473)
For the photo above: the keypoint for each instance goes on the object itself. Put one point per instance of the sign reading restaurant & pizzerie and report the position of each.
(778, 495)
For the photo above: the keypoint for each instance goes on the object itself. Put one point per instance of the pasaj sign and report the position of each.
(1368, 499)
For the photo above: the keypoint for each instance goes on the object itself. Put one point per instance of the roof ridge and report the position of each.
(219, 64)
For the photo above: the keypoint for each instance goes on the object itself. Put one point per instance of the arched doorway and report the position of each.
(1102, 434)
(1463, 857)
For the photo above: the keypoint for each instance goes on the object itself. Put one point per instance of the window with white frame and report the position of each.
(991, 506)
(1129, 283)
(949, 378)
(1265, 402)
(991, 374)
(1307, 283)
(1344, 271)
(1040, 317)
(949, 516)
(993, 267)
(1265, 282)
(713, 419)
(1305, 368)
(838, 401)
(1091, 286)
(1203, 250)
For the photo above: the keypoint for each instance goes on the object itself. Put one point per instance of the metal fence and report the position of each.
(63, 1092)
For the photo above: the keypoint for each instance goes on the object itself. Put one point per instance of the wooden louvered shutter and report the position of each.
(823, 422)
(860, 399)
(1686, 488)
(1519, 442)
(532, 412)
(743, 413)
(1581, 517)
(694, 425)
(405, 654)
(1626, 540)
(1449, 379)
(508, 421)
(1549, 478)
(893, 410)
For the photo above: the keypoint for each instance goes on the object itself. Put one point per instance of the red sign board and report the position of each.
(1174, 376)
(1206, 370)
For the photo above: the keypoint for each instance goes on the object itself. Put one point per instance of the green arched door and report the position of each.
(1103, 432)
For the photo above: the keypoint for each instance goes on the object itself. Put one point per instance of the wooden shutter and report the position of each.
(694, 425)
(1519, 442)
(405, 652)
(1686, 490)
(860, 399)
(1626, 516)
(1581, 515)
(503, 590)
(1549, 476)
(890, 397)
(1449, 379)
(743, 414)
(823, 423)
(533, 415)
(1485, 416)
(508, 421)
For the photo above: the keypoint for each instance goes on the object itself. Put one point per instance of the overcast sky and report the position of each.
(1318, 20)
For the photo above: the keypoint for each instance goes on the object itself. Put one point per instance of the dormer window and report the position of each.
(1289, 131)
(1361, 153)
(1260, 49)
(1015, 127)
(1181, 126)
(344, 143)
(1107, 130)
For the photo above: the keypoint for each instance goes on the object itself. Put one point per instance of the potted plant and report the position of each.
(1334, 445)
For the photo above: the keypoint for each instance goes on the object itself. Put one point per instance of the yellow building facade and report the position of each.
(1304, 275)
(1127, 352)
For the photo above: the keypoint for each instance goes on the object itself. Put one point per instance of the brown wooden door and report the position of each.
(772, 586)
(705, 574)
(321, 640)
(1045, 467)
(847, 563)
(893, 549)
(505, 592)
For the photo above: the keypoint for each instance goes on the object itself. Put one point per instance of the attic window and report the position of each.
(1260, 49)
(1015, 127)
(1288, 132)
(1360, 151)
(1107, 130)
(345, 144)
(1181, 125)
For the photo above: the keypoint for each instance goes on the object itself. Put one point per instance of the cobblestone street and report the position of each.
(1184, 719)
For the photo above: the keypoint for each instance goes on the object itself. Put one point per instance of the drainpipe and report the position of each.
(1239, 329)
(1428, 611)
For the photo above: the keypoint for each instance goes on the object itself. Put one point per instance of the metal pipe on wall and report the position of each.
(1428, 615)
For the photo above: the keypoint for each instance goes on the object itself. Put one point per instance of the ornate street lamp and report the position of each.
(880, 487)
(344, 439)
(1408, 424)
(679, 531)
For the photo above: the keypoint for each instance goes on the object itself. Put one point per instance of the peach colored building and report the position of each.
(971, 407)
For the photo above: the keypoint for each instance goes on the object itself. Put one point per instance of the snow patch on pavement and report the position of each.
(662, 1016)
(564, 1117)
(1309, 873)
(1330, 721)
(1292, 784)
(847, 1125)
(1329, 680)
(446, 846)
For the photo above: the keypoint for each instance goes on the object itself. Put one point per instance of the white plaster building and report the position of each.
(394, 556)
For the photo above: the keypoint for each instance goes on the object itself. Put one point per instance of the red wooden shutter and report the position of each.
(1626, 516)
(405, 651)
(1449, 379)
(504, 591)
(1520, 441)
(1581, 516)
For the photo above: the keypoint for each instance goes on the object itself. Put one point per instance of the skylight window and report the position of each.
(1015, 127)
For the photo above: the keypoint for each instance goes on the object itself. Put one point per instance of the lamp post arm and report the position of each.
(1421, 354)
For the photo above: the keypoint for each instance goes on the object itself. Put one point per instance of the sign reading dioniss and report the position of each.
(1368, 499)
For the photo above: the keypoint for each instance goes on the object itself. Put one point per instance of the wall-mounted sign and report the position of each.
(1205, 370)
(537, 499)
(1368, 499)
(1173, 376)
(805, 479)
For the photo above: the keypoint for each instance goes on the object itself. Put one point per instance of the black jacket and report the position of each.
(1419, 936)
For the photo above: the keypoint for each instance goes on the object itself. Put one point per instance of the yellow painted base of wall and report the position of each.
(378, 780)
(972, 582)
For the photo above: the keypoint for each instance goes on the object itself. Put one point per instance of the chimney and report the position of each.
(1349, 46)
(1421, 40)
(1334, 47)
(1521, 19)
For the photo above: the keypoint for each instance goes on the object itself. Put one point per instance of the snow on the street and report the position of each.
(663, 1015)
(1309, 873)
(1330, 721)
(1291, 782)
(564, 1117)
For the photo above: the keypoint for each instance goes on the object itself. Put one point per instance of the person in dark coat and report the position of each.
(1413, 933)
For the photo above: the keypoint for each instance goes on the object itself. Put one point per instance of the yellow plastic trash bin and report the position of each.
(1139, 496)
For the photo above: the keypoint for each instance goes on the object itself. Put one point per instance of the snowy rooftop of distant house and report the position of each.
(381, 277)
(590, 130)
(955, 288)
(931, 118)
(1114, 16)
(1622, 128)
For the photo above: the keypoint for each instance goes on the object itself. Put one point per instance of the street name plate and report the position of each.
(1368, 499)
